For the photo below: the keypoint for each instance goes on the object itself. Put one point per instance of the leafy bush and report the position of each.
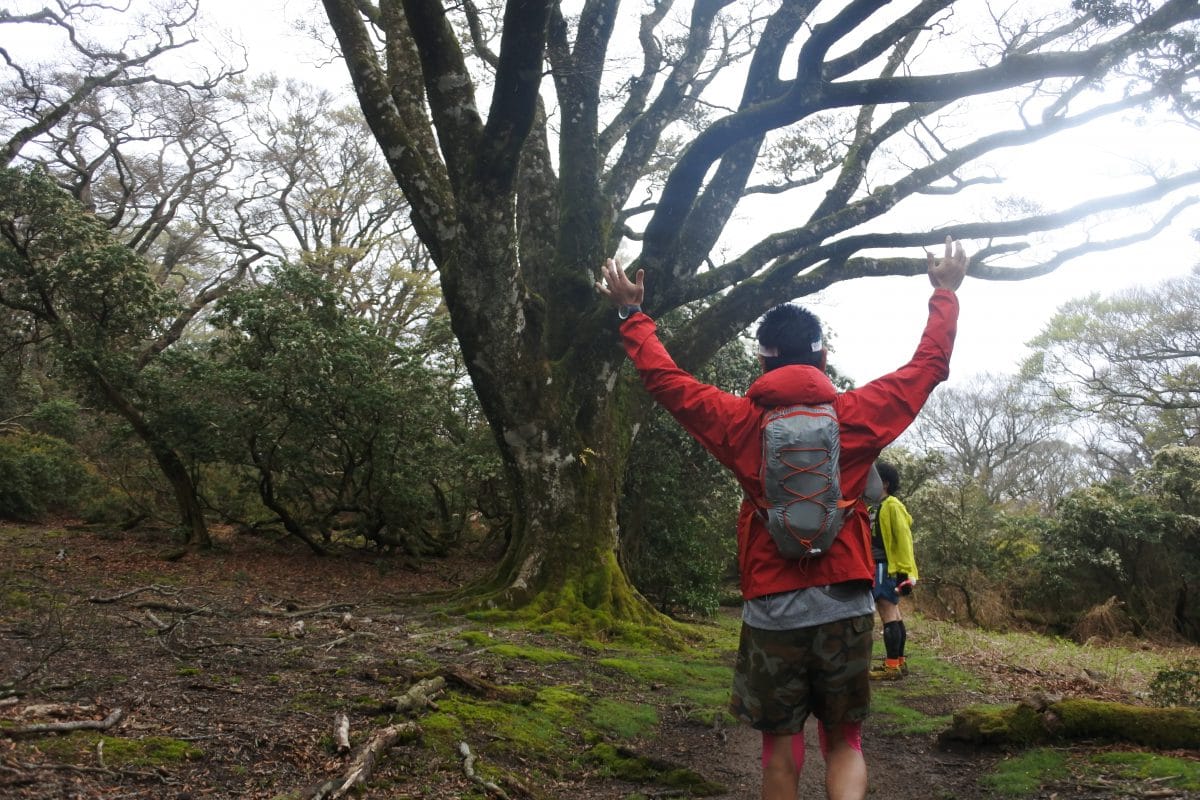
(1134, 540)
(1177, 687)
(303, 415)
(40, 473)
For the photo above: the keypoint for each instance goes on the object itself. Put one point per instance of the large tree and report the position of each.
(1127, 368)
(999, 433)
(520, 187)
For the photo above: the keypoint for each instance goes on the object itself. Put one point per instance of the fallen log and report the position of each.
(1076, 719)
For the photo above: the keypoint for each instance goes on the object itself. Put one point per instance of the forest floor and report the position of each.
(219, 676)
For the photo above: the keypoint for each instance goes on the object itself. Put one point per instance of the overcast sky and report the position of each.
(875, 323)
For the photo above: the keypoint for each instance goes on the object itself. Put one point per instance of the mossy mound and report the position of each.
(1076, 719)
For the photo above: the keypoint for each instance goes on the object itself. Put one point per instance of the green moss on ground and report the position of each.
(1168, 771)
(622, 764)
(622, 720)
(148, 751)
(1025, 773)
(598, 608)
(538, 655)
(537, 730)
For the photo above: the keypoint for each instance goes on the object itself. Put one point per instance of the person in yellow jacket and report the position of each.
(895, 571)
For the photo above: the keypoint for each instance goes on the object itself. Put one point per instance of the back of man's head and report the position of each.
(890, 476)
(789, 334)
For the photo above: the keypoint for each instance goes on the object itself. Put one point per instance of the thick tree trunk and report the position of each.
(561, 564)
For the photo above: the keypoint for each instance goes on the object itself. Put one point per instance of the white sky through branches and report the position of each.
(875, 322)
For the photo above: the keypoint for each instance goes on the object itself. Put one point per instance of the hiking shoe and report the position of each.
(904, 668)
(886, 673)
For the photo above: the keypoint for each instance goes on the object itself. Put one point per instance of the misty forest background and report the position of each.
(219, 313)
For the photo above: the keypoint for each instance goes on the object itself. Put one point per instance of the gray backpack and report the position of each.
(801, 479)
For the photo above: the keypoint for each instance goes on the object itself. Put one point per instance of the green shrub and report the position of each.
(40, 473)
(1177, 687)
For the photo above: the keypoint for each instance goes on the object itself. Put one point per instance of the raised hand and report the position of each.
(948, 271)
(617, 287)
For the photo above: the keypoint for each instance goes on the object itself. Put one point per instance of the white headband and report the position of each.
(773, 352)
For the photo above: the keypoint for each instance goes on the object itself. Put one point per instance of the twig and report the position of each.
(464, 750)
(155, 621)
(342, 640)
(130, 773)
(174, 608)
(157, 589)
(209, 687)
(65, 727)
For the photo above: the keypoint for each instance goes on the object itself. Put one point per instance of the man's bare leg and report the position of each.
(845, 767)
(783, 758)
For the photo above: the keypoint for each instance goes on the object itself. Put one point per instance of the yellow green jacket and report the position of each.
(895, 526)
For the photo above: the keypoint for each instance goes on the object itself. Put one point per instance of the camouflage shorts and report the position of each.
(783, 676)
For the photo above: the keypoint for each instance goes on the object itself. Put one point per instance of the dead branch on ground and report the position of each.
(348, 637)
(464, 750)
(166, 591)
(488, 690)
(294, 612)
(419, 697)
(66, 727)
(363, 767)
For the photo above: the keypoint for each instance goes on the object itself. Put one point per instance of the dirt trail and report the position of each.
(207, 651)
(899, 767)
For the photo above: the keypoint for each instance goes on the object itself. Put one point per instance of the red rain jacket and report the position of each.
(730, 427)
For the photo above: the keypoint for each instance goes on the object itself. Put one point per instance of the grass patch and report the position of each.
(942, 676)
(902, 719)
(668, 671)
(1127, 668)
(1022, 775)
(1171, 772)
(622, 720)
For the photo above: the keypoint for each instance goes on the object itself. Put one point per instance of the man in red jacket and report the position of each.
(806, 624)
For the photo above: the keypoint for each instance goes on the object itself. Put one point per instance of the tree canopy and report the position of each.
(1128, 365)
(533, 140)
